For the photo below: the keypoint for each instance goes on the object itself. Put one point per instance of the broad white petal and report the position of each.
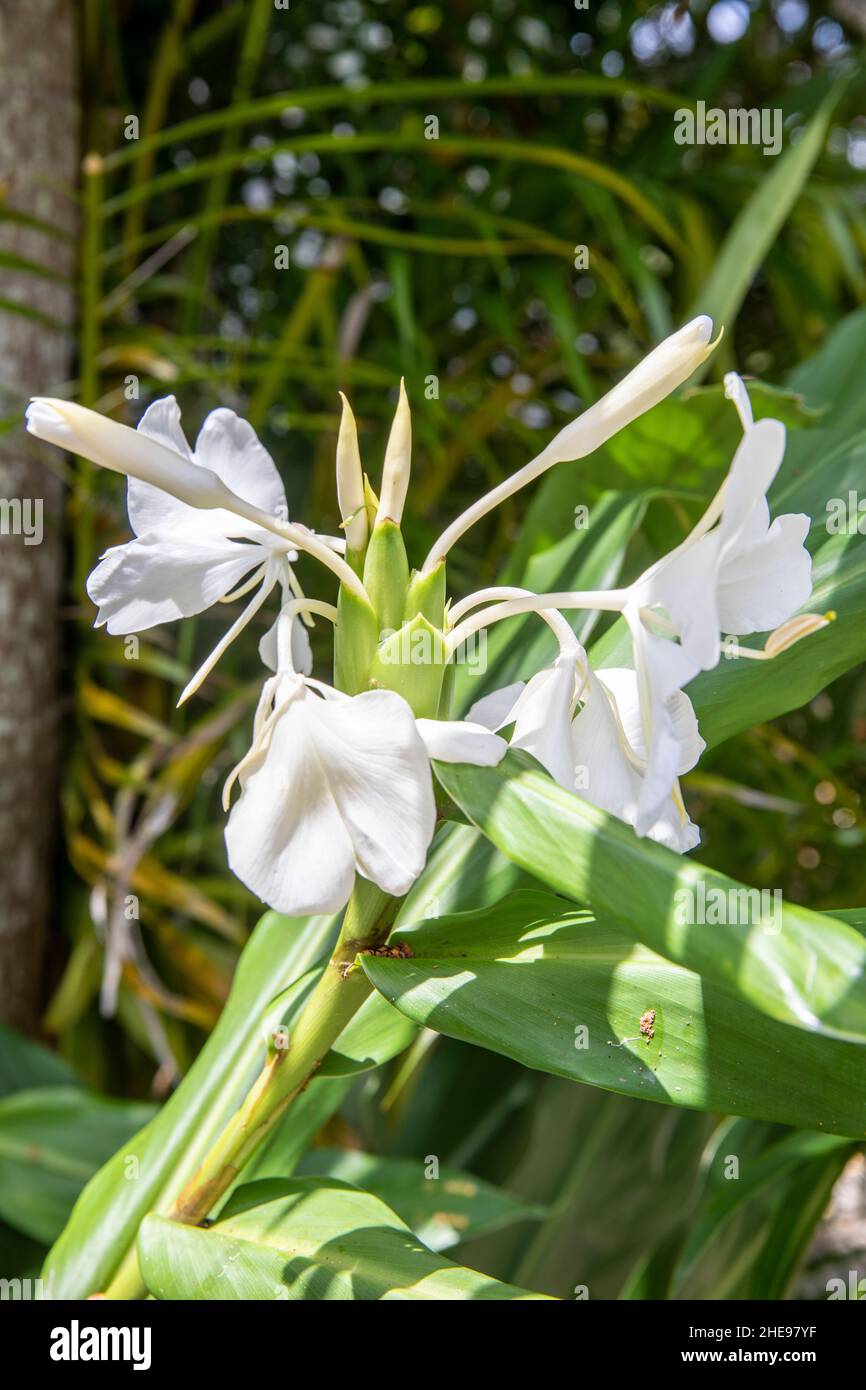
(285, 837)
(230, 447)
(673, 828)
(605, 776)
(151, 509)
(685, 586)
(343, 785)
(380, 780)
(602, 774)
(761, 586)
(461, 741)
(542, 720)
(622, 683)
(494, 711)
(159, 577)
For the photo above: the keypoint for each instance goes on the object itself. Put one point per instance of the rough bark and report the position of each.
(38, 166)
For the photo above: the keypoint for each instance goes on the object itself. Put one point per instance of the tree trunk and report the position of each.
(39, 154)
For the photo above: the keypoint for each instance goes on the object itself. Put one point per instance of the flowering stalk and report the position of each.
(338, 995)
(336, 807)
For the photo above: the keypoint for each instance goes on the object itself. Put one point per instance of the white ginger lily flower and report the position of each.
(335, 785)
(745, 574)
(187, 554)
(585, 728)
(742, 575)
(184, 558)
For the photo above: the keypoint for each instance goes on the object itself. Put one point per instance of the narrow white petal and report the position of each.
(663, 668)
(660, 373)
(461, 741)
(302, 652)
(494, 711)
(115, 446)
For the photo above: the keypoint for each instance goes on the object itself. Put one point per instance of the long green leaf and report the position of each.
(52, 1140)
(804, 969)
(758, 225)
(442, 1208)
(306, 1239)
(559, 991)
(99, 1240)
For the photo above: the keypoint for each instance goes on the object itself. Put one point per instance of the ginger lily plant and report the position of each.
(334, 804)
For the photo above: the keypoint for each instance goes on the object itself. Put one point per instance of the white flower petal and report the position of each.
(495, 710)
(461, 741)
(160, 577)
(743, 576)
(230, 447)
(663, 668)
(115, 446)
(754, 466)
(684, 586)
(343, 785)
(285, 837)
(673, 830)
(302, 652)
(151, 509)
(762, 586)
(605, 775)
(542, 720)
(622, 683)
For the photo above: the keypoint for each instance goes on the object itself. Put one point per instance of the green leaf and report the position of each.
(806, 970)
(749, 1231)
(559, 991)
(306, 1239)
(758, 225)
(442, 1210)
(24, 1064)
(52, 1140)
(833, 378)
(98, 1243)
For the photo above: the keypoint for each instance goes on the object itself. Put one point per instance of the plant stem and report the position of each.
(338, 995)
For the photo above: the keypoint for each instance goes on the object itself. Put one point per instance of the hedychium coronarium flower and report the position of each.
(736, 573)
(337, 782)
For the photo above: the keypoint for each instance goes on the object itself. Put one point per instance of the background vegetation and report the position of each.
(257, 128)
